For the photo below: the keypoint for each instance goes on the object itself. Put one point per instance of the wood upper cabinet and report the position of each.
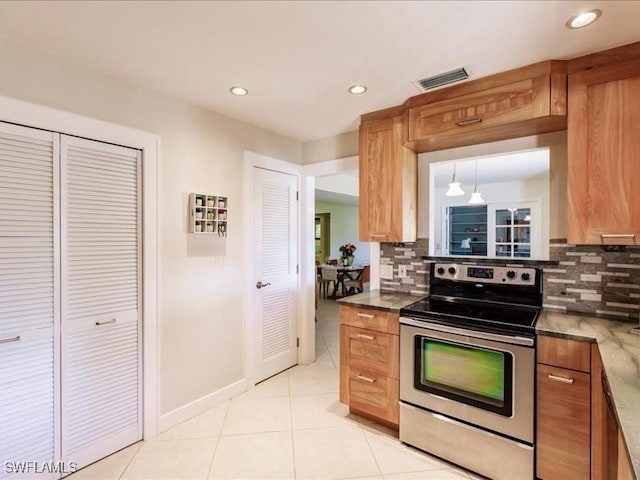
(388, 182)
(526, 101)
(604, 155)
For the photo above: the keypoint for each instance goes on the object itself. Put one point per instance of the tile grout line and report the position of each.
(130, 461)
(215, 449)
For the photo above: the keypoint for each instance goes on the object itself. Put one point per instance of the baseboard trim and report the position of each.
(202, 404)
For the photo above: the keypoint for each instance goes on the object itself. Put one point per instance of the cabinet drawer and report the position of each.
(487, 108)
(374, 351)
(370, 319)
(561, 352)
(374, 394)
(563, 424)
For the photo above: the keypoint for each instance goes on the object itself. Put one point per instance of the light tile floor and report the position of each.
(290, 426)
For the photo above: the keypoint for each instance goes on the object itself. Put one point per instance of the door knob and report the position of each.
(260, 285)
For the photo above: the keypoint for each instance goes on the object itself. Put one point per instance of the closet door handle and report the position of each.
(555, 378)
(106, 322)
(10, 340)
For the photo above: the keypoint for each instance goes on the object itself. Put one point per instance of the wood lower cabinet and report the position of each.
(388, 182)
(577, 430)
(564, 424)
(369, 363)
(603, 152)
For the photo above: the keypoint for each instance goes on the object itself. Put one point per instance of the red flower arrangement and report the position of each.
(347, 249)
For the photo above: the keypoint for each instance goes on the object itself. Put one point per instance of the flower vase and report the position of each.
(347, 260)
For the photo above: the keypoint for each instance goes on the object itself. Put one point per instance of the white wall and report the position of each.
(201, 286)
(344, 229)
(338, 146)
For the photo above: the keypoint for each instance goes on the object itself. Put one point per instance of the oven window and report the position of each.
(476, 376)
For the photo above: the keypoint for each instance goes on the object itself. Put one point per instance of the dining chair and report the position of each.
(327, 277)
(356, 285)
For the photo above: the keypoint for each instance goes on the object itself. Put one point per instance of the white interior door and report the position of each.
(29, 304)
(101, 291)
(276, 267)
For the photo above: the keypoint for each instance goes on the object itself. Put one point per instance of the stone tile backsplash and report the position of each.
(587, 279)
(590, 280)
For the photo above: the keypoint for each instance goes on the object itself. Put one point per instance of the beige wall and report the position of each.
(330, 148)
(557, 143)
(201, 286)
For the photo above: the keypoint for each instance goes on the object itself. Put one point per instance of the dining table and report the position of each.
(353, 272)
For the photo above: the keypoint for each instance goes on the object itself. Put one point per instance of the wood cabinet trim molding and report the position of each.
(606, 57)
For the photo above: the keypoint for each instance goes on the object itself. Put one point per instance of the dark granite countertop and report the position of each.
(620, 352)
(389, 301)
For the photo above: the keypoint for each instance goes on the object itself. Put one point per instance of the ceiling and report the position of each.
(298, 58)
(338, 188)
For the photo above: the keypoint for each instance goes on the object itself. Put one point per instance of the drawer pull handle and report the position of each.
(366, 337)
(9, 340)
(555, 378)
(366, 379)
(378, 235)
(366, 315)
(106, 322)
(469, 121)
(618, 235)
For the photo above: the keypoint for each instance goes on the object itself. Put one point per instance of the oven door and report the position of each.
(474, 377)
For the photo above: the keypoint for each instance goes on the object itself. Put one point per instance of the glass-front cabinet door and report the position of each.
(514, 230)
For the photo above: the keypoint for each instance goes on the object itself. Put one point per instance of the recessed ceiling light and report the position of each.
(357, 89)
(240, 91)
(583, 19)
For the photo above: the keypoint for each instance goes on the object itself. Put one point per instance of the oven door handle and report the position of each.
(528, 342)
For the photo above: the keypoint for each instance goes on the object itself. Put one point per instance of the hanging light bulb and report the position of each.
(476, 196)
(454, 187)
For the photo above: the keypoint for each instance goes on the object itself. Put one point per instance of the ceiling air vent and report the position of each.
(443, 79)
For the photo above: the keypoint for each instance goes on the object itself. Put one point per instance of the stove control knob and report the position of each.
(511, 274)
(526, 277)
(441, 270)
(452, 270)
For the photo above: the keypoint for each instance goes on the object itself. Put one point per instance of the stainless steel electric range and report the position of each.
(467, 368)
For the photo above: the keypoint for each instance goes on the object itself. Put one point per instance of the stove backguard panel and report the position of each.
(586, 279)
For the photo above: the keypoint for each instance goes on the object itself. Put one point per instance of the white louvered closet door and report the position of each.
(276, 254)
(29, 286)
(101, 289)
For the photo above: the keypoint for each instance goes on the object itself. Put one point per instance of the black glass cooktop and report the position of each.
(475, 314)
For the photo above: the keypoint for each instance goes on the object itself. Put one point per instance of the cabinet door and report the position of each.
(604, 147)
(388, 183)
(563, 424)
(500, 105)
(29, 306)
(101, 323)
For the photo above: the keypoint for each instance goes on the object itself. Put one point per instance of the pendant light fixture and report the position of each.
(454, 186)
(476, 196)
